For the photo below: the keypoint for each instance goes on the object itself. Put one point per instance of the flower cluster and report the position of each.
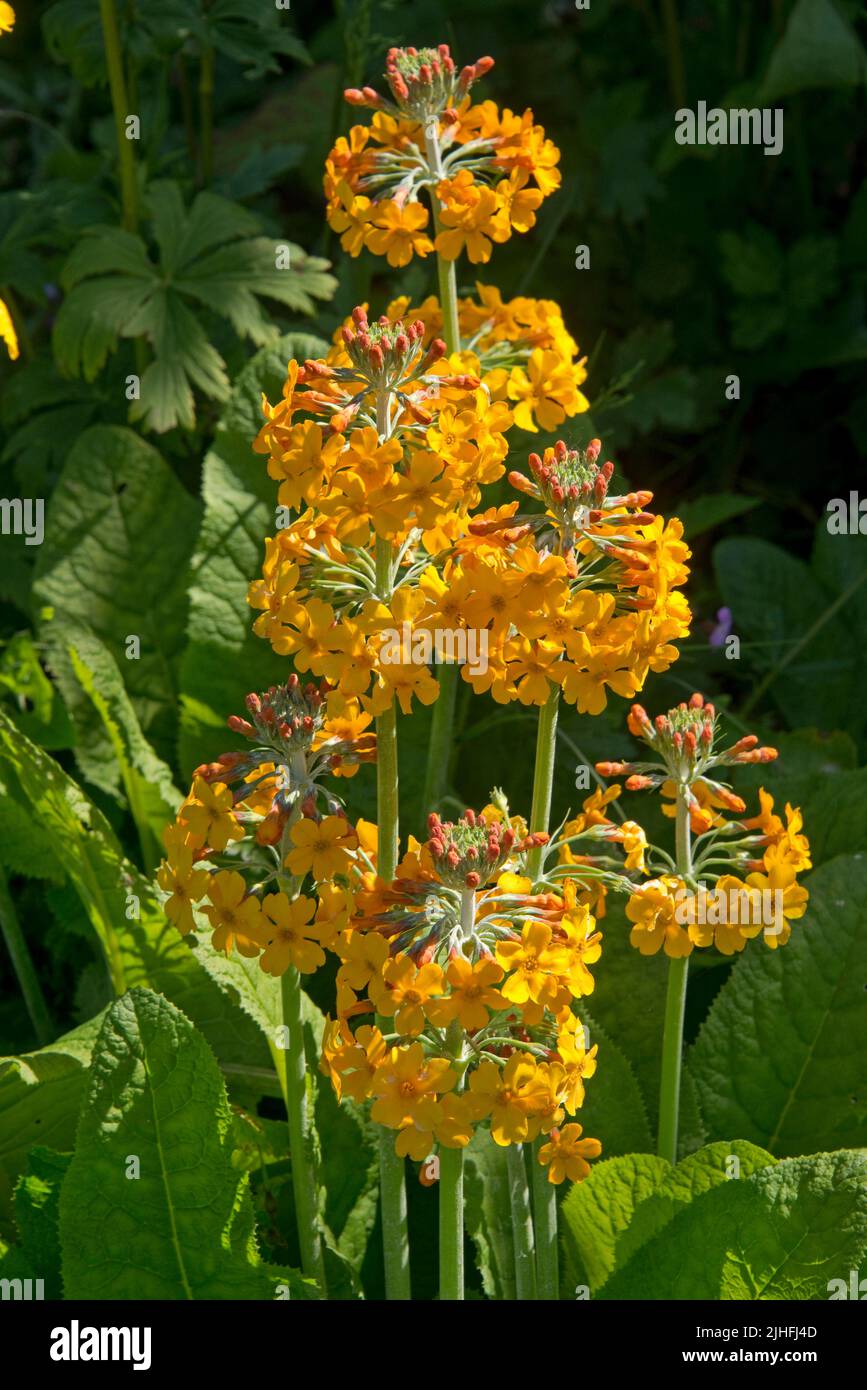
(739, 876)
(377, 460)
(486, 170)
(520, 350)
(478, 972)
(582, 595)
(264, 820)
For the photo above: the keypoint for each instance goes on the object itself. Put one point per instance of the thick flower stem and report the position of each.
(117, 85)
(543, 775)
(675, 1007)
(451, 1219)
(395, 1236)
(23, 966)
(293, 1075)
(545, 1217)
(544, 1193)
(442, 725)
(522, 1223)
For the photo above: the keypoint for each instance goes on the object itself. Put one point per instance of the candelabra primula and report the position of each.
(400, 459)
(488, 170)
(256, 824)
(583, 595)
(478, 973)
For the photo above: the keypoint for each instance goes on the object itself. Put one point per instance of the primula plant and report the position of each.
(413, 958)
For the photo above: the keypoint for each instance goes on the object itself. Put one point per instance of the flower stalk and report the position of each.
(675, 1004)
(522, 1223)
(120, 105)
(292, 1071)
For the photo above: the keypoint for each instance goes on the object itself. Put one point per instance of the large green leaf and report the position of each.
(147, 781)
(140, 946)
(596, 1212)
(40, 1094)
(780, 1058)
(488, 1215)
(119, 532)
(782, 1233)
(818, 49)
(223, 659)
(729, 1160)
(181, 1227)
(613, 1111)
(208, 258)
(794, 630)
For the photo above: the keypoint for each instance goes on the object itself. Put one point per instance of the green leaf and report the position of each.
(208, 259)
(224, 659)
(613, 1109)
(777, 605)
(140, 946)
(705, 513)
(488, 1214)
(699, 1172)
(753, 262)
(779, 1059)
(40, 1094)
(101, 569)
(147, 781)
(597, 1211)
(782, 1233)
(39, 711)
(818, 49)
(37, 1207)
(183, 1227)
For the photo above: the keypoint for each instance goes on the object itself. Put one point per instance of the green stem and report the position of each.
(442, 725)
(395, 1235)
(293, 1076)
(543, 775)
(441, 735)
(117, 86)
(545, 1216)
(676, 72)
(522, 1223)
(24, 968)
(206, 114)
(451, 1219)
(544, 1192)
(675, 1006)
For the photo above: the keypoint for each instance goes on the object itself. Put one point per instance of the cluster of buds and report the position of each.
(471, 852)
(573, 488)
(684, 741)
(293, 748)
(388, 359)
(424, 82)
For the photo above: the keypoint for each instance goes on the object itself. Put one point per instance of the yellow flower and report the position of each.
(185, 884)
(652, 909)
(233, 916)
(535, 964)
(398, 232)
(7, 24)
(779, 877)
(288, 939)
(508, 1096)
(566, 1154)
(547, 390)
(405, 992)
(406, 1087)
(7, 327)
(364, 955)
(351, 217)
(207, 815)
(321, 847)
(471, 993)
